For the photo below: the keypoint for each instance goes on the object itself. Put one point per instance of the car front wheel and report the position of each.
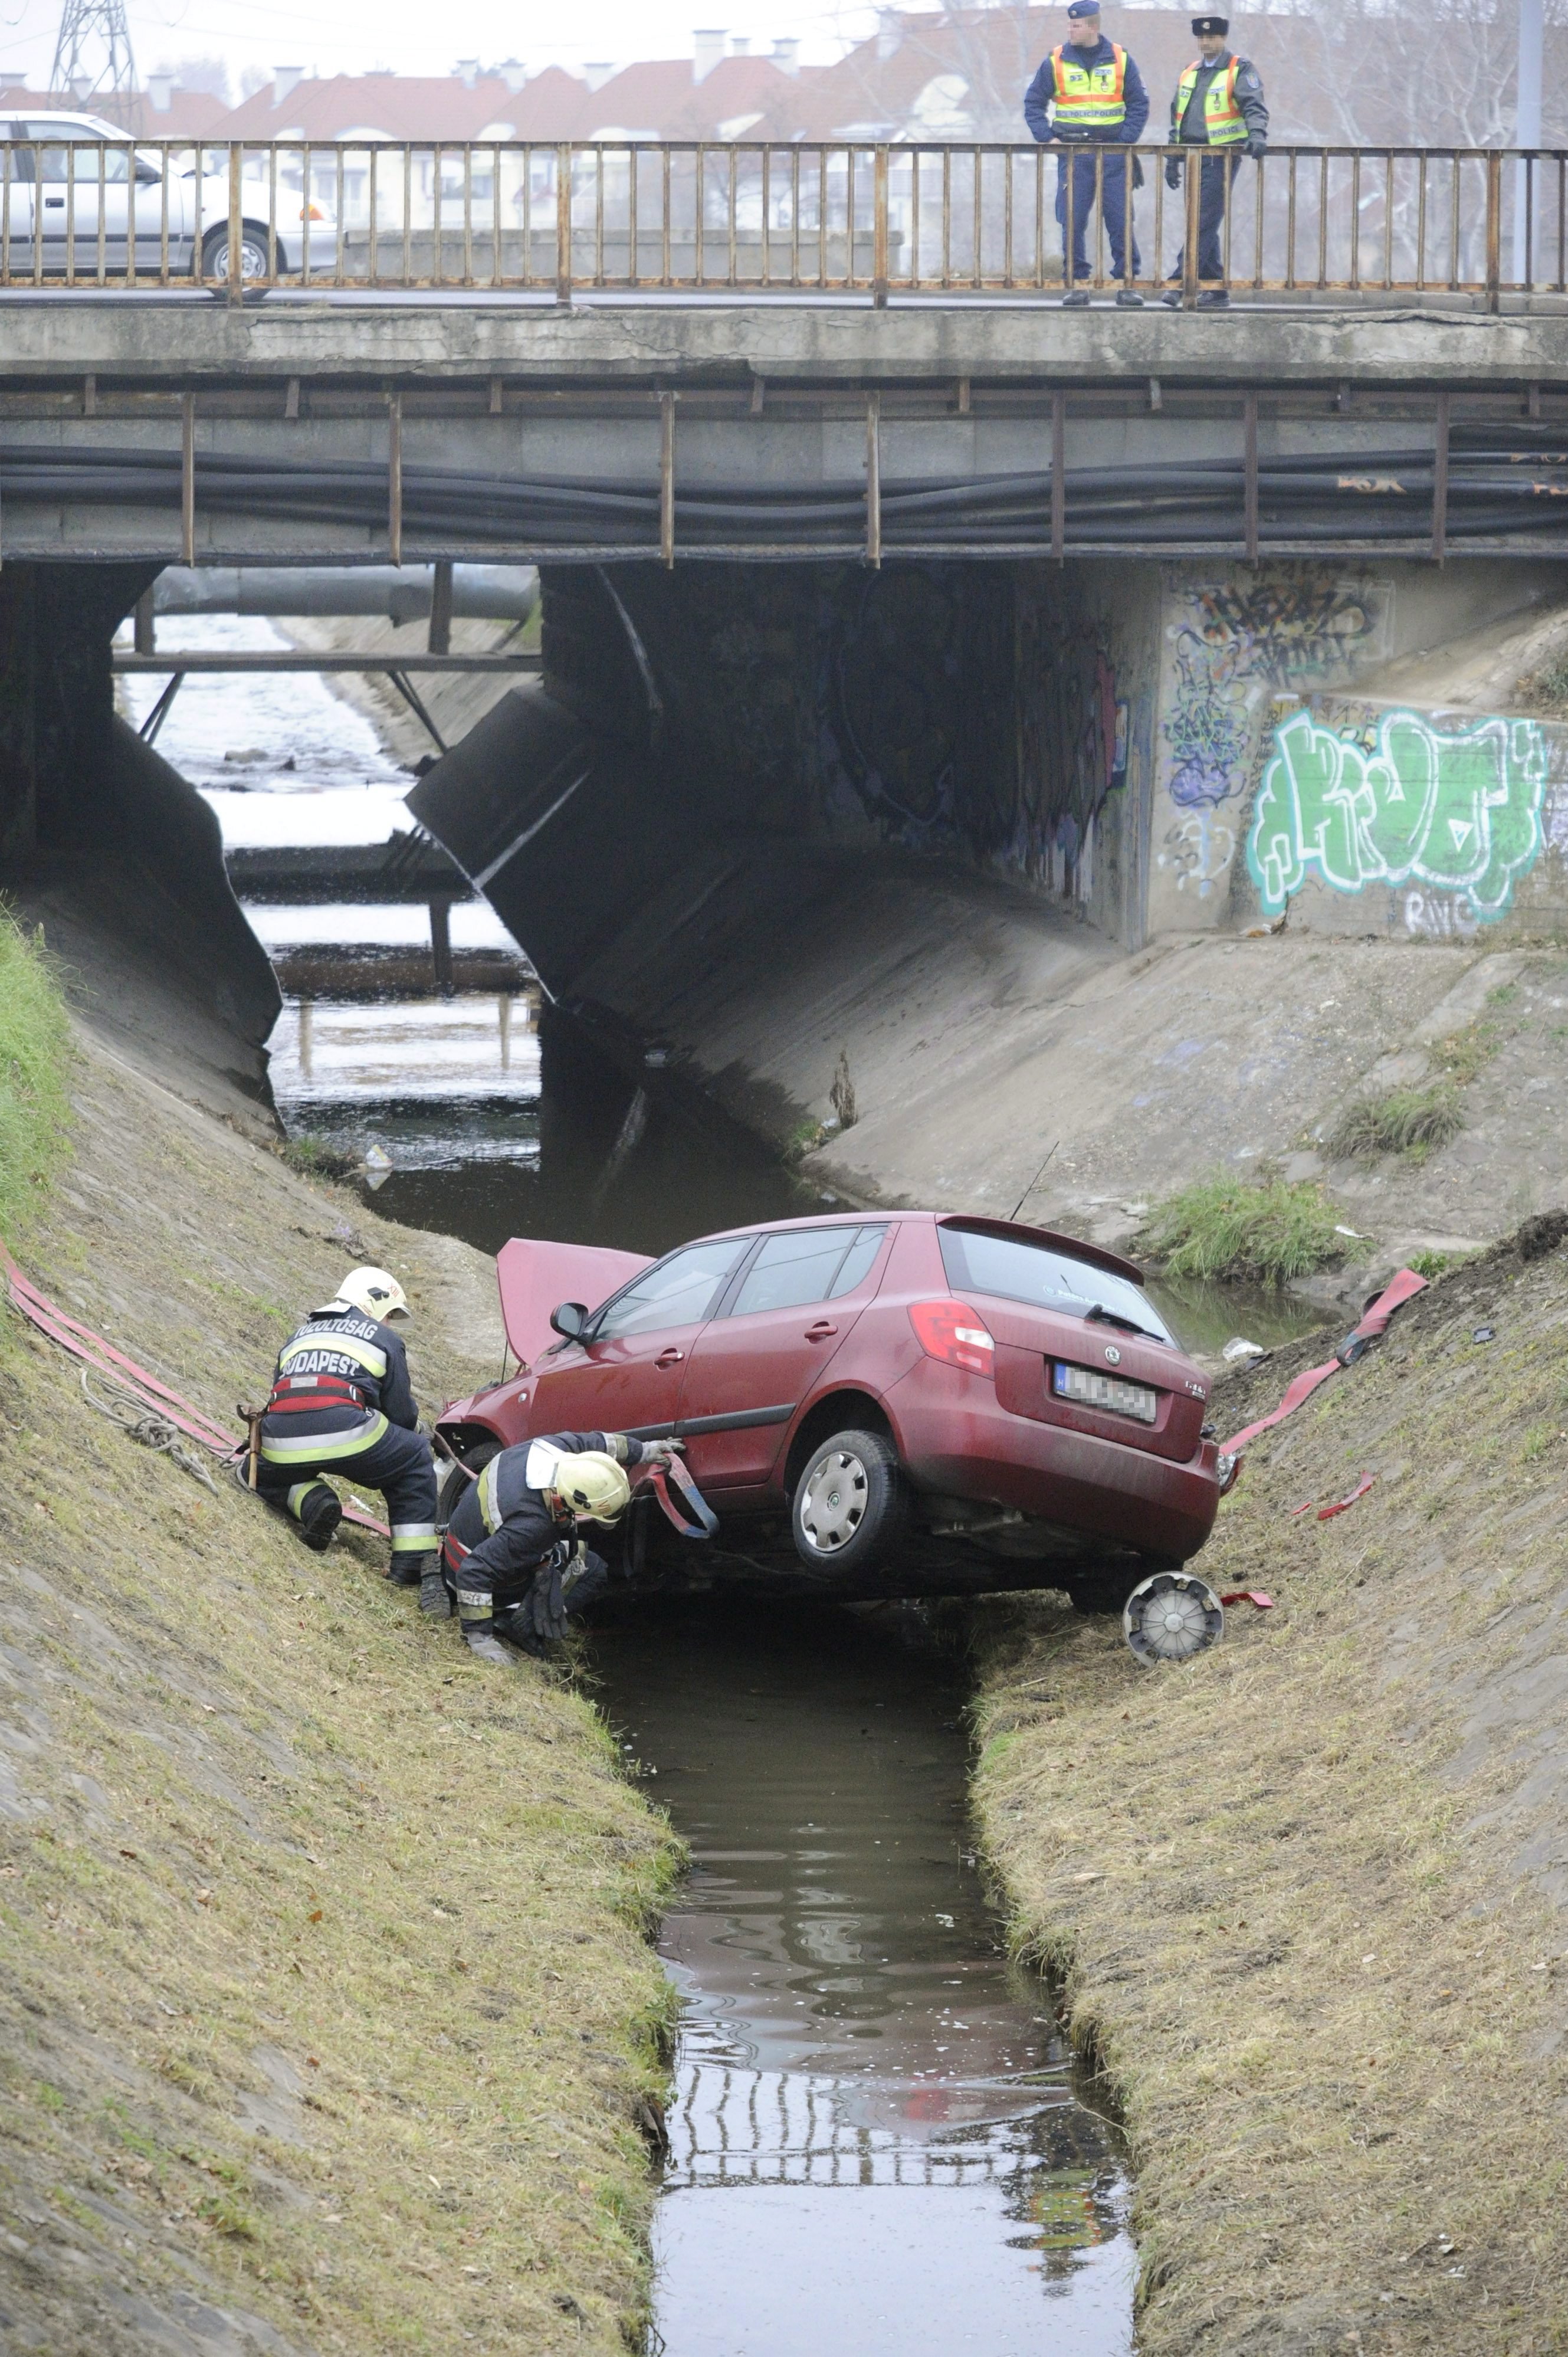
(851, 1506)
(454, 1480)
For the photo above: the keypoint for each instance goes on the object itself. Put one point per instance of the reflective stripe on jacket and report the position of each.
(1089, 98)
(324, 1446)
(1222, 118)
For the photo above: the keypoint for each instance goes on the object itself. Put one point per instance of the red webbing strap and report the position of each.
(156, 1397)
(703, 1522)
(1395, 1294)
(95, 1351)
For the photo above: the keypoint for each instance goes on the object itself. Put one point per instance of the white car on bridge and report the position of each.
(67, 180)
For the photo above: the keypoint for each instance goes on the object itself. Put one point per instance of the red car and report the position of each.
(896, 1403)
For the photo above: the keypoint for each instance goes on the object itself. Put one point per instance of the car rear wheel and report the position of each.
(851, 1506)
(254, 260)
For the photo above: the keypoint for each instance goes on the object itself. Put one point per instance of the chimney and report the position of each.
(739, 45)
(285, 81)
(707, 48)
(596, 76)
(889, 34)
(787, 56)
(512, 74)
(160, 90)
(469, 70)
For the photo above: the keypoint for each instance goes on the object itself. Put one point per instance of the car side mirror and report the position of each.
(570, 1319)
(145, 176)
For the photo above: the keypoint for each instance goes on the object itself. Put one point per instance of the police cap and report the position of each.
(1220, 25)
(1080, 8)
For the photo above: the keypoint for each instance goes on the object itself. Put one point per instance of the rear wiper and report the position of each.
(1101, 1316)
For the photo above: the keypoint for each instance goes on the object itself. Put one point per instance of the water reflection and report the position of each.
(875, 2143)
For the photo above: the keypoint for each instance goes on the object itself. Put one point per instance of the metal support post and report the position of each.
(874, 479)
(1494, 229)
(564, 224)
(440, 639)
(1058, 477)
(667, 479)
(1189, 251)
(879, 232)
(1440, 483)
(187, 478)
(144, 625)
(1249, 414)
(394, 476)
(441, 946)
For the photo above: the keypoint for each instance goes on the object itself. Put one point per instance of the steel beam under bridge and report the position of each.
(615, 433)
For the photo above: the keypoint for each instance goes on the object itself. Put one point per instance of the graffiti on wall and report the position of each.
(1237, 642)
(1399, 801)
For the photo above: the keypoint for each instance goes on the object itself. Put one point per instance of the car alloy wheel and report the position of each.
(833, 1504)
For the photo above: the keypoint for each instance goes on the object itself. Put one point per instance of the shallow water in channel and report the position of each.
(876, 2150)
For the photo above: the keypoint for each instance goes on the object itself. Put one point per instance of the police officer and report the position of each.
(513, 1550)
(341, 1403)
(1096, 97)
(1219, 106)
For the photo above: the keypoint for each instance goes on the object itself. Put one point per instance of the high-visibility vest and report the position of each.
(1089, 98)
(1223, 119)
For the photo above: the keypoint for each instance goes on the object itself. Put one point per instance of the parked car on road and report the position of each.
(77, 179)
(875, 1405)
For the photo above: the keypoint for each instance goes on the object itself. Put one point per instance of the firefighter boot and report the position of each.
(316, 1509)
(435, 1596)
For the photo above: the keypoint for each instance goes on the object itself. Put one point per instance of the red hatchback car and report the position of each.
(902, 1404)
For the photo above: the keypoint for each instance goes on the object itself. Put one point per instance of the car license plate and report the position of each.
(1108, 1392)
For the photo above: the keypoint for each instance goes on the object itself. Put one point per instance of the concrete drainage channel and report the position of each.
(877, 2144)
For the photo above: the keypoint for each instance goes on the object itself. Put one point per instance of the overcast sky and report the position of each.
(352, 35)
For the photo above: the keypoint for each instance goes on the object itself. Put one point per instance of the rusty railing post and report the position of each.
(236, 223)
(1494, 230)
(563, 223)
(879, 231)
(1193, 169)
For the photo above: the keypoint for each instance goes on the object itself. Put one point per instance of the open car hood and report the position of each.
(535, 1277)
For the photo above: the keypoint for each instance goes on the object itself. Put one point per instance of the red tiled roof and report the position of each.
(410, 107)
(191, 114)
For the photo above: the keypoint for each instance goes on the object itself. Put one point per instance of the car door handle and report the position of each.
(819, 1331)
(57, 202)
(671, 1358)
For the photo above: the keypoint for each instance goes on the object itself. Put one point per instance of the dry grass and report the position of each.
(323, 1954)
(1302, 1892)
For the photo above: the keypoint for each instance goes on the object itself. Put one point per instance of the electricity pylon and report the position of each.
(93, 53)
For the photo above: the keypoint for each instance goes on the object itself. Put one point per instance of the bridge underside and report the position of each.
(308, 432)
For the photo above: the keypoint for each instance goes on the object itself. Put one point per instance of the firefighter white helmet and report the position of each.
(374, 1291)
(592, 1485)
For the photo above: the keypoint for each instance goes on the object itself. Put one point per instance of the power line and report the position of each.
(92, 55)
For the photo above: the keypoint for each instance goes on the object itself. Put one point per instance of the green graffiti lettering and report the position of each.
(1460, 812)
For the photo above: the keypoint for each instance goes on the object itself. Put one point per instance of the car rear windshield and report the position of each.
(1048, 1279)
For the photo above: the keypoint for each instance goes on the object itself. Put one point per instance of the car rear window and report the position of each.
(1047, 1279)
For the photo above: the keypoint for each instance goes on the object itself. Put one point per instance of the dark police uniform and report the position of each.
(341, 1403)
(515, 1564)
(1094, 97)
(1218, 107)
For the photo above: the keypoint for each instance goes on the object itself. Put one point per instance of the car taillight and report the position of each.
(312, 213)
(951, 1331)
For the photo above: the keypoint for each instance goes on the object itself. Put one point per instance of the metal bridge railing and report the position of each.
(837, 218)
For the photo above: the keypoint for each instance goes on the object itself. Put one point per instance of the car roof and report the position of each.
(973, 1223)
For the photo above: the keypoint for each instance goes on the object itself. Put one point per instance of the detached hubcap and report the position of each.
(832, 1505)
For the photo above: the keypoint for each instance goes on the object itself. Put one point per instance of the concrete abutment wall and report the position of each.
(116, 856)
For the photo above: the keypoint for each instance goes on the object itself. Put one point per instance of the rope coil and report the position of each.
(144, 1424)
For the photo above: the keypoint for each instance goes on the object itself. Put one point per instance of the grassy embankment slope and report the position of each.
(327, 1997)
(1304, 1893)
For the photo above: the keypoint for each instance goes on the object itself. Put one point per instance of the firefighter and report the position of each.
(515, 1557)
(1219, 106)
(1096, 97)
(341, 1403)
